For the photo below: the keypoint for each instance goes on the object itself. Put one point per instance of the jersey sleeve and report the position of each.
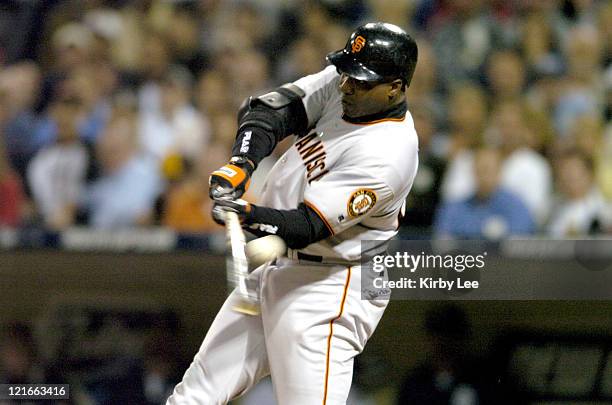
(318, 89)
(346, 197)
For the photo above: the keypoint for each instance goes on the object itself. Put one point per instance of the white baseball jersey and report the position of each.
(355, 176)
(313, 320)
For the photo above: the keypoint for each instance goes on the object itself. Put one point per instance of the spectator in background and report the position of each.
(324, 23)
(587, 136)
(468, 113)
(505, 76)
(539, 44)
(224, 126)
(306, 52)
(176, 127)
(56, 174)
(125, 28)
(12, 200)
(464, 36)
(72, 46)
(20, 84)
(250, 74)
(305, 56)
(155, 64)
(82, 70)
(212, 96)
(94, 84)
(491, 213)
(183, 35)
(524, 172)
(580, 209)
(125, 193)
(240, 25)
(581, 91)
(604, 172)
(187, 205)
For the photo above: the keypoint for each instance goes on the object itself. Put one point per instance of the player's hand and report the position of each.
(232, 180)
(223, 205)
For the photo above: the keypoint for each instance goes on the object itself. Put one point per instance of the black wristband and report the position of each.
(298, 228)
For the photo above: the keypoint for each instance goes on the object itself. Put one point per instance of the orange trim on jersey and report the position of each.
(331, 332)
(233, 180)
(376, 121)
(315, 209)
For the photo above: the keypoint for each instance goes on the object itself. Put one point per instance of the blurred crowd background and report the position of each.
(114, 112)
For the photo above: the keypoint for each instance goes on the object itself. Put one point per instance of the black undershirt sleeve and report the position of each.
(298, 228)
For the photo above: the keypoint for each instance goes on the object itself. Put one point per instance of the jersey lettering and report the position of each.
(320, 156)
(300, 143)
(318, 176)
(313, 153)
(311, 150)
(319, 163)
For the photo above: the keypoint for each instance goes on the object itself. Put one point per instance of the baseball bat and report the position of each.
(237, 267)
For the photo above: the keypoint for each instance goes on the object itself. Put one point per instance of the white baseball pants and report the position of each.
(313, 322)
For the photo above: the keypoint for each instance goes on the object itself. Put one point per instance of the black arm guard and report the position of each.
(266, 120)
(298, 228)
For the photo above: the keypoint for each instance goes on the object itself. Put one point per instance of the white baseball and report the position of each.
(265, 249)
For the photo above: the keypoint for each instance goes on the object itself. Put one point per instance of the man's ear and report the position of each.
(396, 88)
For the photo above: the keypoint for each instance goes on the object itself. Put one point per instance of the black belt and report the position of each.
(309, 258)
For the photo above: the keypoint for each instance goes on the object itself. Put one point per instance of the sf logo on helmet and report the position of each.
(358, 44)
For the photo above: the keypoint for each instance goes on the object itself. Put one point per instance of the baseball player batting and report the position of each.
(343, 181)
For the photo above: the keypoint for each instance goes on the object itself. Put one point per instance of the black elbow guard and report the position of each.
(285, 110)
(268, 119)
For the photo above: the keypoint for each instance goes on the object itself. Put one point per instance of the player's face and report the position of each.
(361, 98)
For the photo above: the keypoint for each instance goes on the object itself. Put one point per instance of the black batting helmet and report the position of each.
(377, 52)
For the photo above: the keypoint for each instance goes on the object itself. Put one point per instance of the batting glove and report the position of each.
(223, 205)
(232, 180)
